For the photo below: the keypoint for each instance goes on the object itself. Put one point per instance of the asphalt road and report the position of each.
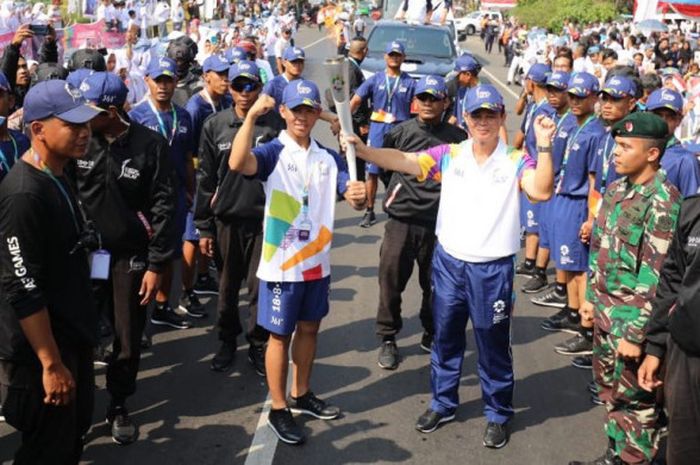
(191, 415)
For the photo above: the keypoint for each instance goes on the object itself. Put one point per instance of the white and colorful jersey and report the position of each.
(289, 174)
(478, 219)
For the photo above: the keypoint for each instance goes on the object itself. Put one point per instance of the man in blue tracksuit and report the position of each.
(680, 164)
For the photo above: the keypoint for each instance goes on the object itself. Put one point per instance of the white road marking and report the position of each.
(315, 42)
(262, 449)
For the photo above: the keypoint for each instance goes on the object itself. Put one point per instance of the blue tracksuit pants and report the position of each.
(484, 293)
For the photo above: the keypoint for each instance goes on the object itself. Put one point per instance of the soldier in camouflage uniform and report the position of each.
(631, 236)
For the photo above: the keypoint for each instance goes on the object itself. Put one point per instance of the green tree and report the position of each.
(551, 14)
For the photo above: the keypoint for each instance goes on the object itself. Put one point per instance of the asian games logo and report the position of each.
(303, 90)
(499, 311)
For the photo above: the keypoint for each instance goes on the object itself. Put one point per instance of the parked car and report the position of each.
(471, 24)
(430, 49)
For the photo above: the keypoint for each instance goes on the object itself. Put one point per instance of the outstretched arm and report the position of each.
(389, 159)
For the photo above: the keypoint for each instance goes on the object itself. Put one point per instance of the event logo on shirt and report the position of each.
(18, 263)
(499, 176)
(693, 241)
(292, 168)
(85, 164)
(225, 146)
(128, 173)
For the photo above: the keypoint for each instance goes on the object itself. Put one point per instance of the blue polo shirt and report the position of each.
(582, 146)
(181, 140)
(200, 109)
(459, 107)
(528, 124)
(565, 124)
(603, 163)
(390, 96)
(11, 150)
(275, 89)
(681, 166)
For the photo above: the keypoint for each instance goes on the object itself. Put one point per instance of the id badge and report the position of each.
(304, 232)
(99, 264)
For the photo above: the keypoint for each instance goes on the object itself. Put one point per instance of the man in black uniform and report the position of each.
(183, 51)
(412, 207)
(48, 319)
(673, 337)
(126, 184)
(229, 206)
(360, 119)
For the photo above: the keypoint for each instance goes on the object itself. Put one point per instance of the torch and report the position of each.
(338, 71)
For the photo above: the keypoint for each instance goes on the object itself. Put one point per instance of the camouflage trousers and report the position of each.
(632, 413)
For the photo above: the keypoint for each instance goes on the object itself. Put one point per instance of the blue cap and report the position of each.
(433, 85)
(161, 66)
(395, 47)
(235, 54)
(483, 96)
(466, 62)
(4, 83)
(104, 88)
(301, 92)
(293, 53)
(75, 78)
(57, 98)
(619, 87)
(246, 69)
(665, 98)
(215, 63)
(593, 50)
(538, 73)
(583, 84)
(559, 80)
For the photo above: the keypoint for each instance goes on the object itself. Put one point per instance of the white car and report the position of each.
(471, 24)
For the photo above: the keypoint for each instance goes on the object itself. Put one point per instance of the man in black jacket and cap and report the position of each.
(229, 207)
(412, 207)
(126, 184)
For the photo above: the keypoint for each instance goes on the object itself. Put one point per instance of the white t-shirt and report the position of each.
(479, 215)
(281, 45)
(288, 171)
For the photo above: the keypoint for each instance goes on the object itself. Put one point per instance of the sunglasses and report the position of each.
(244, 86)
(428, 98)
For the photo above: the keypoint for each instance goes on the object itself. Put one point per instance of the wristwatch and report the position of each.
(544, 149)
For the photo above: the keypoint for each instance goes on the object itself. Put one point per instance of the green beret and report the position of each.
(641, 124)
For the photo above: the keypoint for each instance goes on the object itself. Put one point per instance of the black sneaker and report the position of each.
(388, 355)
(256, 357)
(535, 284)
(205, 284)
(283, 424)
(368, 219)
(124, 431)
(101, 357)
(426, 342)
(166, 316)
(224, 357)
(190, 304)
(608, 458)
(550, 298)
(577, 345)
(496, 435)
(430, 420)
(592, 387)
(584, 362)
(309, 404)
(566, 325)
(522, 270)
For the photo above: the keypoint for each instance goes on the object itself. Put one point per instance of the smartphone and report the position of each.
(39, 29)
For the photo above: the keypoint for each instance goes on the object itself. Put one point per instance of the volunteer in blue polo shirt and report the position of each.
(680, 164)
(391, 92)
(467, 69)
(474, 259)
(537, 75)
(159, 113)
(12, 143)
(570, 208)
(213, 97)
(293, 58)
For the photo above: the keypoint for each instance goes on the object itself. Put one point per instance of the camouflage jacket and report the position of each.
(631, 236)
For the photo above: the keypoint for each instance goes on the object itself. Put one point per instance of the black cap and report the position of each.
(182, 48)
(89, 59)
(49, 71)
(641, 124)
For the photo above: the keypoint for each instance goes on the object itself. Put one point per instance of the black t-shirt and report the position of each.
(38, 265)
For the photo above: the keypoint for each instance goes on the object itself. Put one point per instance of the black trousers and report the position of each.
(404, 244)
(682, 391)
(50, 435)
(119, 298)
(239, 246)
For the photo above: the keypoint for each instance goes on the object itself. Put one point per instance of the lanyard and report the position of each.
(3, 158)
(567, 152)
(354, 62)
(205, 94)
(561, 121)
(390, 93)
(671, 142)
(531, 114)
(161, 124)
(58, 183)
(606, 164)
